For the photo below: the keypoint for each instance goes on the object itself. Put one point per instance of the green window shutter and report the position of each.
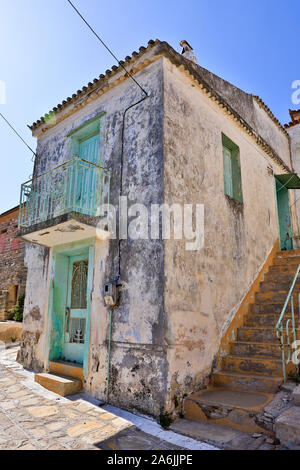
(227, 169)
(232, 169)
(236, 176)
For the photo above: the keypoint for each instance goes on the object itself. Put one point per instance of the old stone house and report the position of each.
(145, 322)
(12, 268)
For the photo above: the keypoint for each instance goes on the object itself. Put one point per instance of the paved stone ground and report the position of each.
(32, 418)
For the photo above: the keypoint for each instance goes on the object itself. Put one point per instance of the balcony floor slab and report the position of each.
(67, 228)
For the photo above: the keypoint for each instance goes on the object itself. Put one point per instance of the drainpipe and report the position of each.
(119, 257)
(121, 169)
(108, 355)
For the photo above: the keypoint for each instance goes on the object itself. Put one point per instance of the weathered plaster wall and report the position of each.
(34, 338)
(204, 289)
(174, 305)
(294, 133)
(250, 110)
(138, 362)
(272, 134)
(138, 370)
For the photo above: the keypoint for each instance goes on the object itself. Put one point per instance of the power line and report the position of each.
(10, 125)
(106, 47)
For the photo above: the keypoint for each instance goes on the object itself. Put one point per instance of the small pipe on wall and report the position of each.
(108, 356)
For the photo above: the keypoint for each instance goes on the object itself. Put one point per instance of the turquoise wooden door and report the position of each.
(76, 311)
(284, 217)
(89, 150)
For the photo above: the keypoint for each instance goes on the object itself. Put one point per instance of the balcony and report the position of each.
(64, 205)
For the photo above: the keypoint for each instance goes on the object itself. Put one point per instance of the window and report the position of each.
(232, 169)
(87, 140)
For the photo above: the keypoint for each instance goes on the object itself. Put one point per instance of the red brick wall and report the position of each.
(12, 269)
(3, 237)
(15, 244)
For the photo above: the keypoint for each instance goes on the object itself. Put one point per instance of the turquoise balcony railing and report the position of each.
(75, 186)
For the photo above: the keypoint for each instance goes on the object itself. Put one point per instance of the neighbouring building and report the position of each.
(145, 322)
(12, 268)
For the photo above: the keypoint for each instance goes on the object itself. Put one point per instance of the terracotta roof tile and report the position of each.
(96, 81)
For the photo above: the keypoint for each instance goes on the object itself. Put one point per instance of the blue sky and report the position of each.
(47, 53)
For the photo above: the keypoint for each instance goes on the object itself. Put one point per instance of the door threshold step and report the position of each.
(59, 384)
(66, 369)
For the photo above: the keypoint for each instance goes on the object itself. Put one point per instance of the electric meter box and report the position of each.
(110, 294)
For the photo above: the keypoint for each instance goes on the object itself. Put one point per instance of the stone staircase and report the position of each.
(252, 373)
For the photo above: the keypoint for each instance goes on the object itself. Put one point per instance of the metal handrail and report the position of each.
(76, 185)
(280, 333)
(65, 164)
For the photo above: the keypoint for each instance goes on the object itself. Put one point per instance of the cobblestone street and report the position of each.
(32, 418)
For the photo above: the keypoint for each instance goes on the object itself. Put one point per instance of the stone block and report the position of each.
(287, 427)
(83, 428)
(296, 396)
(42, 411)
(101, 435)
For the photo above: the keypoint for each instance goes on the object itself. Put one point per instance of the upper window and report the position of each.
(87, 140)
(232, 169)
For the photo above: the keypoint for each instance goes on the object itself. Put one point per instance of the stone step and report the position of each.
(269, 320)
(257, 334)
(279, 276)
(260, 334)
(266, 319)
(66, 369)
(253, 382)
(61, 385)
(279, 286)
(222, 437)
(281, 273)
(267, 308)
(256, 349)
(224, 407)
(253, 365)
(273, 297)
(286, 261)
(288, 253)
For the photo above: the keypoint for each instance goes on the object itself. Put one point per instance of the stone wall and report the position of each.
(12, 270)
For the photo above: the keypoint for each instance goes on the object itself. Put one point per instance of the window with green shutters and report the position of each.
(232, 169)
